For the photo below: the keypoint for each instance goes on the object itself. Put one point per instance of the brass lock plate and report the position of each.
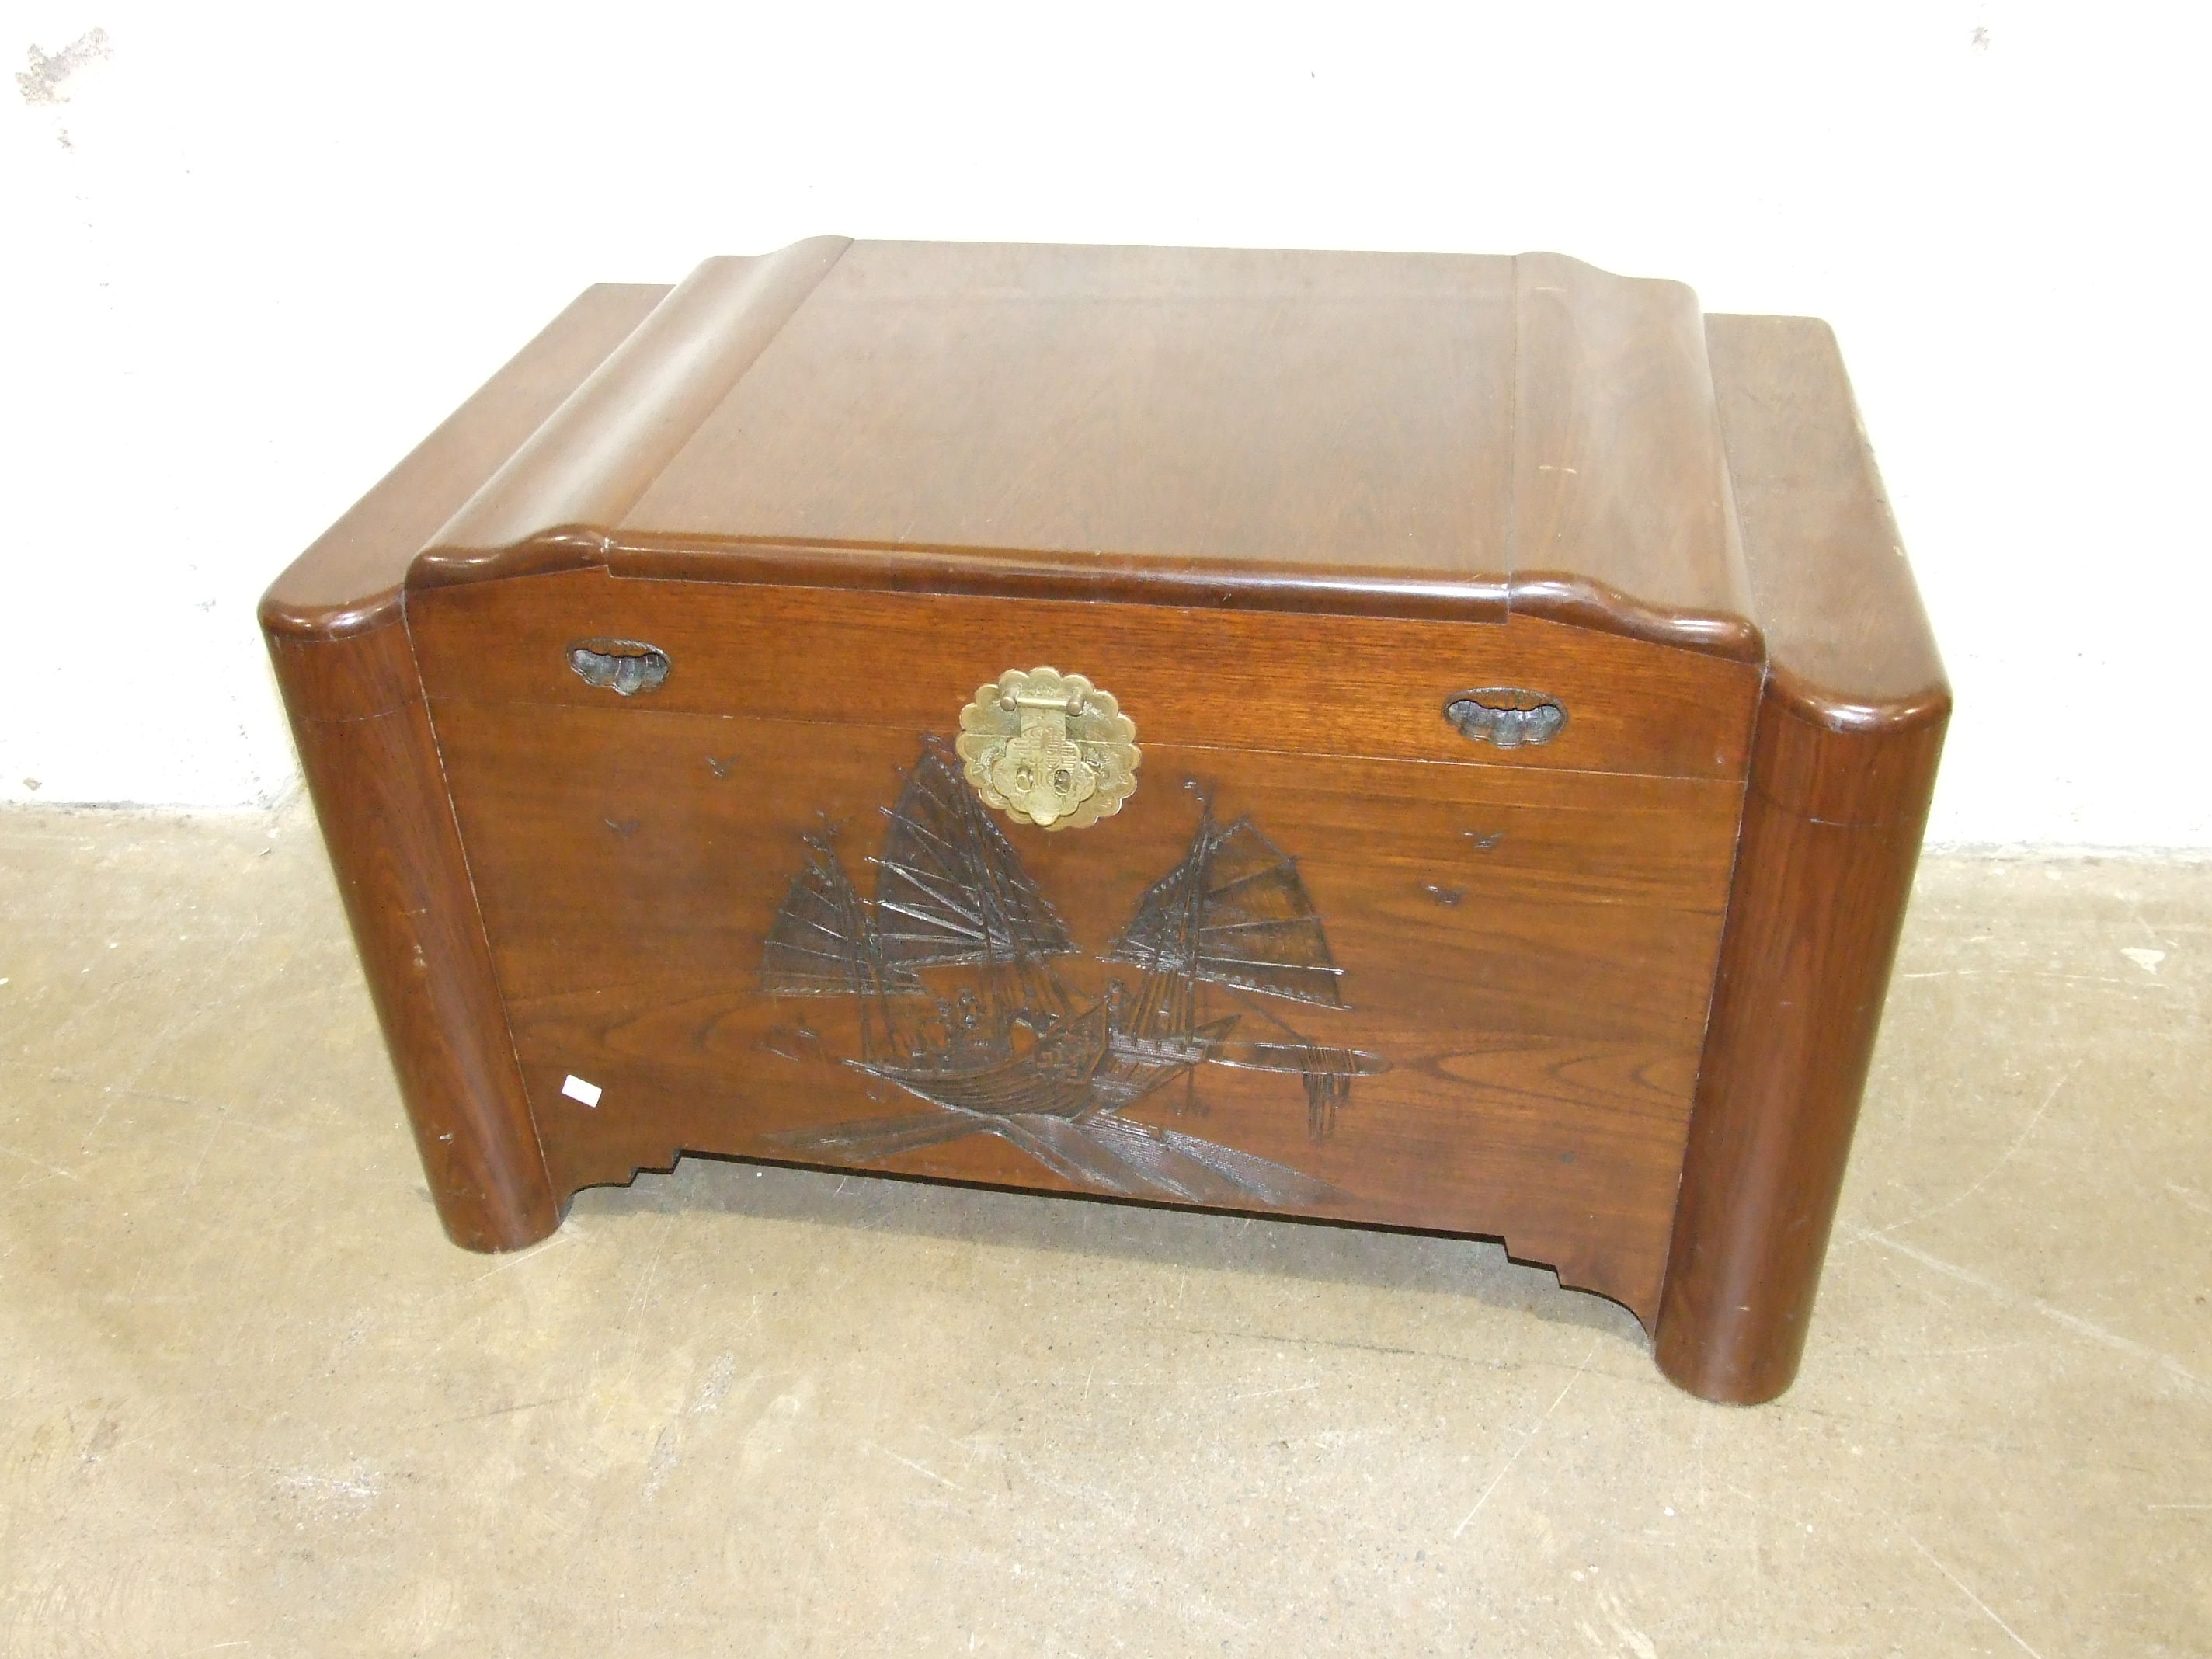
(1049, 749)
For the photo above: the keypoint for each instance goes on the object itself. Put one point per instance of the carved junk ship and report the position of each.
(1011, 1051)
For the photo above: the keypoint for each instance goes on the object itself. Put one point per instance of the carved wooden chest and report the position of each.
(1430, 741)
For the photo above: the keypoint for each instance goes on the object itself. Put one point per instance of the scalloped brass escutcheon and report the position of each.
(1049, 749)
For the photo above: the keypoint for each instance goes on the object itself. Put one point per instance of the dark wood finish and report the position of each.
(1414, 435)
(1848, 642)
(371, 767)
(1268, 682)
(349, 579)
(350, 685)
(1621, 515)
(1842, 772)
(581, 471)
(1541, 1002)
(1540, 1091)
(1609, 996)
(1233, 406)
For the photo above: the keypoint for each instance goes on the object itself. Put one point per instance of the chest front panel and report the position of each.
(1332, 956)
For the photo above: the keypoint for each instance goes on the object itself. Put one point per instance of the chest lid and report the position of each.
(1444, 436)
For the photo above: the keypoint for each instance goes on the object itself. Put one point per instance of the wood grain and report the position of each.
(1222, 404)
(1284, 506)
(349, 579)
(1848, 639)
(1446, 437)
(610, 437)
(1843, 770)
(1355, 687)
(1813, 929)
(1620, 500)
(333, 626)
(1541, 1001)
(381, 798)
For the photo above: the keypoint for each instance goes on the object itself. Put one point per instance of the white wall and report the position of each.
(253, 255)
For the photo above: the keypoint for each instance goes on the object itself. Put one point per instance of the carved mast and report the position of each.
(950, 891)
(1235, 913)
(1022, 1060)
(823, 943)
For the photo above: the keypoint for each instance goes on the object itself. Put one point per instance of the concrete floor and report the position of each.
(252, 1401)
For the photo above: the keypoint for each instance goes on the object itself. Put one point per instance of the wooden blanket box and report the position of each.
(1419, 740)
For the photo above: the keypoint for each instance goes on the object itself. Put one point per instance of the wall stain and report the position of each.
(46, 81)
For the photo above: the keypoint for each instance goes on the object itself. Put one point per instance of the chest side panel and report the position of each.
(1331, 957)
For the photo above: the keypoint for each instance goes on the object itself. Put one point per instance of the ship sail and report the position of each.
(950, 887)
(1237, 913)
(1012, 1054)
(822, 943)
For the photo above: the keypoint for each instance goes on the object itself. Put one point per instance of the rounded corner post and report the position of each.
(1833, 820)
(354, 701)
